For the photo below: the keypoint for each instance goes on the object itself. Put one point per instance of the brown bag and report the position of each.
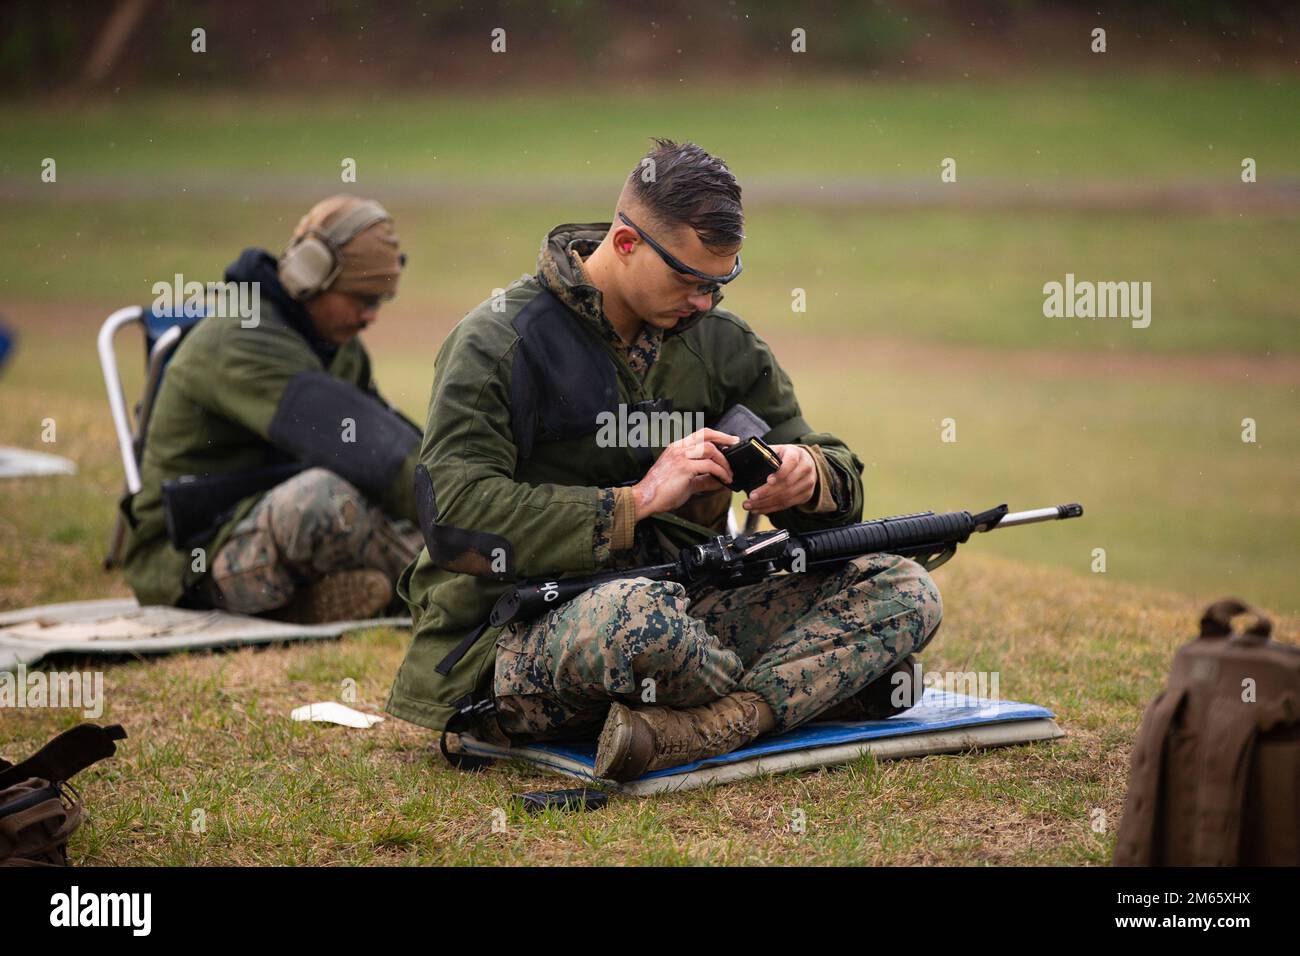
(39, 810)
(1215, 778)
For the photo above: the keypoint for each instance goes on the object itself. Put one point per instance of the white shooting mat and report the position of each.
(121, 626)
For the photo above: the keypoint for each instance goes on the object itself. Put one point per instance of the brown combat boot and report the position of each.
(340, 596)
(876, 700)
(637, 742)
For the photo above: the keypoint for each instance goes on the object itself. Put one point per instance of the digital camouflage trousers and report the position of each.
(803, 642)
(303, 529)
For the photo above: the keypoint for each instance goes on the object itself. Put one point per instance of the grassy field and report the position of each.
(1219, 283)
(1098, 126)
(210, 733)
(914, 316)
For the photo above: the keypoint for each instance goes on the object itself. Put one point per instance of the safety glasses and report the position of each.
(709, 284)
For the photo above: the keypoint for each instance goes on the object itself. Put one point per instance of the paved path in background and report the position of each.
(1193, 196)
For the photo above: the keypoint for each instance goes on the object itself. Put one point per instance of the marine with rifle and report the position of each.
(512, 484)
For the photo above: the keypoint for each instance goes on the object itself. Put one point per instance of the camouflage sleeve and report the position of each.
(615, 524)
(624, 519)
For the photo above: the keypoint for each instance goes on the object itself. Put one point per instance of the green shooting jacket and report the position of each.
(554, 501)
(212, 416)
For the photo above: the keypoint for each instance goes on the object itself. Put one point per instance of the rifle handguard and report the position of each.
(732, 561)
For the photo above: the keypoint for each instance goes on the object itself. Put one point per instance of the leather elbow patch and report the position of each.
(329, 423)
(462, 550)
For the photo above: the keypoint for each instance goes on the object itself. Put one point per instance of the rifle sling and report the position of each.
(460, 650)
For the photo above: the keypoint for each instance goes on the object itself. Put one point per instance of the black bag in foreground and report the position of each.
(39, 810)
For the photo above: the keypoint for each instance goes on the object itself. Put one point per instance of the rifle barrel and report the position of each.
(1055, 513)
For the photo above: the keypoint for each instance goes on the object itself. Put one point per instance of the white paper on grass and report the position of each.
(21, 463)
(332, 712)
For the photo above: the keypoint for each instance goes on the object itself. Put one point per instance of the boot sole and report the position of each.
(615, 743)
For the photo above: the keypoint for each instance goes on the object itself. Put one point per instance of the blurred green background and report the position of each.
(924, 299)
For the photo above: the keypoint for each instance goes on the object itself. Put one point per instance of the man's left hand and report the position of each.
(792, 484)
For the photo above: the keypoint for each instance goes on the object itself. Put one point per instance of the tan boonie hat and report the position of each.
(371, 261)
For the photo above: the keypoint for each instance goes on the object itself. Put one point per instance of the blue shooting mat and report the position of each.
(944, 722)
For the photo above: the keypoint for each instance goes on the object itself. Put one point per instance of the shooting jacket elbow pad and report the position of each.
(462, 550)
(329, 423)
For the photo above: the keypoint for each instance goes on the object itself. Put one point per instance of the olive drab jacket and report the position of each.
(511, 450)
(213, 415)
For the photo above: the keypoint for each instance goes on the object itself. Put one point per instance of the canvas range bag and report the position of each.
(39, 809)
(1215, 777)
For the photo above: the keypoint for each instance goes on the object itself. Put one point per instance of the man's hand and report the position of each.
(687, 467)
(792, 484)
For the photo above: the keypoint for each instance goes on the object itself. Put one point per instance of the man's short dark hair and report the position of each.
(685, 186)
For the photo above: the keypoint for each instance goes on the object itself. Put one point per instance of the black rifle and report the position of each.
(744, 559)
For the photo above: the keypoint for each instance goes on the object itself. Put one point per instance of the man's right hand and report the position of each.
(687, 467)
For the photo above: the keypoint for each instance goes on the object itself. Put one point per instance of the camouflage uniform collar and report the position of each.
(560, 272)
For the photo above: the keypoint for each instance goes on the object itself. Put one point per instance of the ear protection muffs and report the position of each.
(312, 262)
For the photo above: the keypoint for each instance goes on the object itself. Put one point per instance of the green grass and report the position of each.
(1105, 125)
(1171, 493)
(221, 776)
(1218, 283)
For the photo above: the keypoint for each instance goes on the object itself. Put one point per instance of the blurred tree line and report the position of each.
(53, 45)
